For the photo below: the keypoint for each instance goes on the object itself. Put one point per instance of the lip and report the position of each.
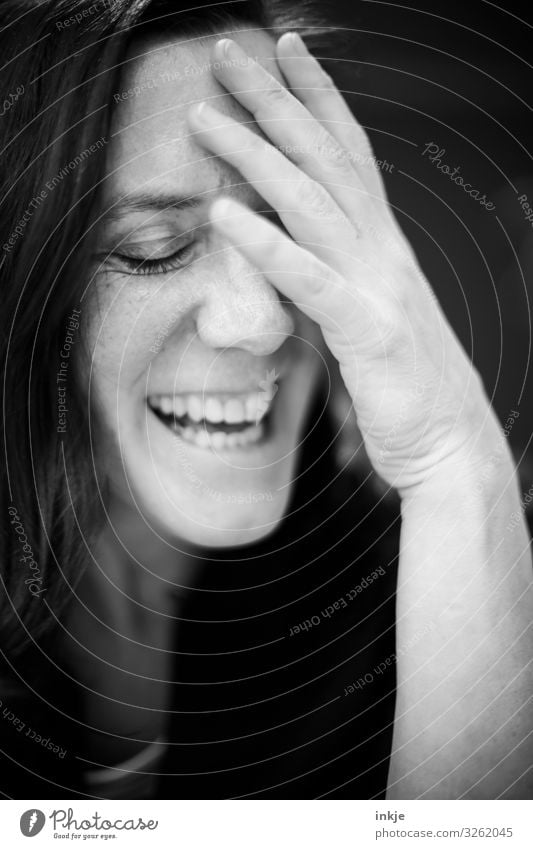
(225, 389)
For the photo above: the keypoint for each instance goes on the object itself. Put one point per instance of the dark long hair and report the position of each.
(62, 61)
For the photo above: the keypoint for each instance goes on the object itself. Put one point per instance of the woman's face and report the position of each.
(201, 377)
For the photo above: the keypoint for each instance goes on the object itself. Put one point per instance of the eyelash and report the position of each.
(142, 265)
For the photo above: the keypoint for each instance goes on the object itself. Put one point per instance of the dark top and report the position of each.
(285, 664)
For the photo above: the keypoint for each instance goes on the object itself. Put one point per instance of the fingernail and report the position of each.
(222, 209)
(297, 44)
(205, 113)
(231, 50)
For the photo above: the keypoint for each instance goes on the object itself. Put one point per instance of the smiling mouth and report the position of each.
(218, 422)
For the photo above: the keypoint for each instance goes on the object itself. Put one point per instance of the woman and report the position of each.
(197, 245)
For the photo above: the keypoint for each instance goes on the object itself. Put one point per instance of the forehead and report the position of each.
(151, 145)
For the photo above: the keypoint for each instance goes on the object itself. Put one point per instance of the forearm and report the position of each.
(464, 714)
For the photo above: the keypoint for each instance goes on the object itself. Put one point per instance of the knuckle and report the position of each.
(334, 157)
(319, 281)
(317, 278)
(321, 148)
(314, 200)
(274, 95)
(338, 156)
(385, 320)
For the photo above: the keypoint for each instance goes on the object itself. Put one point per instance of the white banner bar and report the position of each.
(268, 824)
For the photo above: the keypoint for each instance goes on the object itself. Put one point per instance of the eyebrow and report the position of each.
(151, 203)
(159, 201)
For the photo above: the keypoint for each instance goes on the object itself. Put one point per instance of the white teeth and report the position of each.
(180, 407)
(214, 410)
(262, 409)
(195, 408)
(251, 407)
(234, 411)
(201, 438)
(250, 435)
(166, 405)
(237, 410)
(189, 434)
(219, 441)
(232, 440)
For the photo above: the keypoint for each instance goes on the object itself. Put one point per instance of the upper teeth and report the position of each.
(232, 410)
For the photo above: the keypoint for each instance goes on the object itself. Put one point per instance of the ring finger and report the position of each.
(306, 208)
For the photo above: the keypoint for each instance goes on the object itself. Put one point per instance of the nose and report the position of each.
(242, 309)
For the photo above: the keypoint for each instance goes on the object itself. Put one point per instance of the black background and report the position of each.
(457, 74)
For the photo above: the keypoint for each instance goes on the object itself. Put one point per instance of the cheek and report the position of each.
(127, 322)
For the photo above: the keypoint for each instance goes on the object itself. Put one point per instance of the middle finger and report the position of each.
(307, 210)
(289, 124)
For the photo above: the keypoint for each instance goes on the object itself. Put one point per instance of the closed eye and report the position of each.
(162, 265)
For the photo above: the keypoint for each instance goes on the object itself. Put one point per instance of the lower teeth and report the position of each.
(218, 440)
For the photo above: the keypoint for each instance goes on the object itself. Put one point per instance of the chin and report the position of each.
(205, 470)
(205, 491)
(211, 516)
(233, 525)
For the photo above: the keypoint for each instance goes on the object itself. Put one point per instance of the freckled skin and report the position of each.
(215, 325)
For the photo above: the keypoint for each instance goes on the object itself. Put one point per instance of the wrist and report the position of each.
(480, 464)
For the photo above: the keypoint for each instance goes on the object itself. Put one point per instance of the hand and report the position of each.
(344, 261)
